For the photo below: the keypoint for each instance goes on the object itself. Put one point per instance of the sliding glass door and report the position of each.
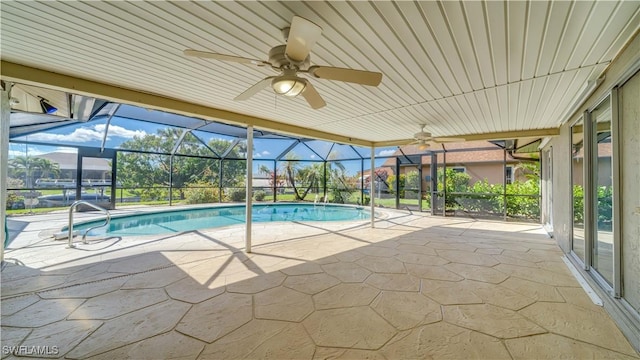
(547, 189)
(577, 196)
(602, 245)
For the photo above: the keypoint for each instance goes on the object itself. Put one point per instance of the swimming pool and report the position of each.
(175, 221)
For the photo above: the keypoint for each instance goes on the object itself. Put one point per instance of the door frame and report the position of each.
(97, 153)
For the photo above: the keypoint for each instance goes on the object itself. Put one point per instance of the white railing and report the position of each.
(84, 237)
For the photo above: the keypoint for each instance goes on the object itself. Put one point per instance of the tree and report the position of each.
(380, 177)
(32, 167)
(341, 183)
(297, 176)
(412, 185)
(47, 168)
(21, 167)
(290, 167)
(276, 180)
(528, 169)
(313, 177)
(150, 166)
(456, 182)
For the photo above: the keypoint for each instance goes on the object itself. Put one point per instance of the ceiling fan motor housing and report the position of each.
(278, 59)
(422, 135)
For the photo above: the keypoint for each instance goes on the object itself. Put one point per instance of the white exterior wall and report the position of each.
(625, 311)
(562, 207)
(629, 98)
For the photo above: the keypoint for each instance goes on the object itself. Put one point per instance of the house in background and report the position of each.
(93, 168)
(481, 160)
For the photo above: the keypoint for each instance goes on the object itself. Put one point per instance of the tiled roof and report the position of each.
(478, 156)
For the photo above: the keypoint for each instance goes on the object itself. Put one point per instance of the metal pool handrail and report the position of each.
(91, 205)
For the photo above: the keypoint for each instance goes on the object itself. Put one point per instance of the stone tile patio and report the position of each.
(416, 287)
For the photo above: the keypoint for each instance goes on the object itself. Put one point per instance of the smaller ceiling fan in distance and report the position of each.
(424, 139)
(291, 60)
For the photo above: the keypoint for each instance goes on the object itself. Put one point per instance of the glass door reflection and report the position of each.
(96, 181)
(577, 175)
(603, 172)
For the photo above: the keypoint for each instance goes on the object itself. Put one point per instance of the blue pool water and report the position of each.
(204, 218)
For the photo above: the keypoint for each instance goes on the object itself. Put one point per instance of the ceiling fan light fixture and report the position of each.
(423, 146)
(289, 85)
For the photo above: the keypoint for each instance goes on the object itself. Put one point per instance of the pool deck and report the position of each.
(416, 286)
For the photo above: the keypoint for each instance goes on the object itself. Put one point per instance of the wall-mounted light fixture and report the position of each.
(46, 107)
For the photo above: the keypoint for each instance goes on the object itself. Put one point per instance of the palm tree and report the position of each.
(291, 167)
(47, 167)
(337, 175)
(313, 176)
(22, 166)
(28, 167)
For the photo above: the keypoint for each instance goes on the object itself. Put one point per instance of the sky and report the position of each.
(120, 130)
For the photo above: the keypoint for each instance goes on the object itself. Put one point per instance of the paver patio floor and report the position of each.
(415, 287)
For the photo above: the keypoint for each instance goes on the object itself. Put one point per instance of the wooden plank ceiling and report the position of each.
(458, 67)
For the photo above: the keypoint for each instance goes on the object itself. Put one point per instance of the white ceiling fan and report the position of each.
(424, 139)
(293, 59)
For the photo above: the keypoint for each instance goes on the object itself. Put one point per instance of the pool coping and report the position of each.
(380, 213)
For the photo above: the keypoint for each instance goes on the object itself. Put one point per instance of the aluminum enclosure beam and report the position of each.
(249, 192)
(23, 74)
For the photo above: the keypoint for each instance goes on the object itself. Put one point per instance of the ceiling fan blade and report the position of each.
(303, 34)
(254, 89)
(349, 75)
(313, 97)
(223, 57)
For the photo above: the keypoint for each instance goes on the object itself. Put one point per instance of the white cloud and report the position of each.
(313, 156)
(22, 150)
(86, 134)
(79, 135)
(14, 153)
(68, 150)
(386, 152)
(119, 131)
(261, 154)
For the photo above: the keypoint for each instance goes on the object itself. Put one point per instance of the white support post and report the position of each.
(249, 192)
(5, 114)
(372, 181)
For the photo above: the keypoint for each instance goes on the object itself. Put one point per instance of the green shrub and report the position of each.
(236, 194)
(488, 198)
(525, 206)
(391, 180)
(201, 193)
(259, 195)
(14, 201)
(335, 196)
(605, 210)
(456, 182)
(578, 204)
(151, 194)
